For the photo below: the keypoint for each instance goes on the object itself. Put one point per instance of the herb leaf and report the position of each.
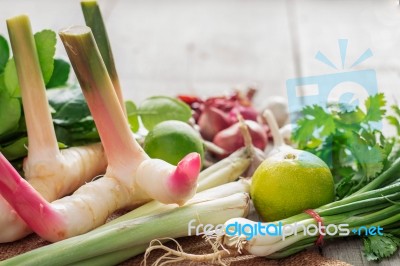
(60, 74)
(131, 111)
(378, 247)
(69, 105)
(10, 112)
(375, 107)
(347, 140)
(4, 53)
(11, 78)
(369, 158)
(46, 48)
(157, 109)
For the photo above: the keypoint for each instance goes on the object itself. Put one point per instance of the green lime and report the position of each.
(172, 140)
(290, 182)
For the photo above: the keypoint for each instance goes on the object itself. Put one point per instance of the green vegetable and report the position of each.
(348, 140)
(131, 111)
(379, 247)
(94, 20)
(157, 109)
(4, 53)
(11, 78)
(60, 74)
(135, 233)
(73, 122)
(46, 49)
(16, 149)
(46, 46)
(10, 112)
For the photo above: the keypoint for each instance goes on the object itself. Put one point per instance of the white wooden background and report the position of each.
(206, 47)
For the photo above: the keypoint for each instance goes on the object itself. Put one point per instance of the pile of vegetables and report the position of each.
(72, 183)
(217, 120)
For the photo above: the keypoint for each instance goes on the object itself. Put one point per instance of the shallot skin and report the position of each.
(231, 138)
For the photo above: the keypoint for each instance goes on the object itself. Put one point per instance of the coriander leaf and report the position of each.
(314, 123)
(46, 48)
(11, 78)
(131, 111)
(352, 119)
(370, 158)
(10, 112)
(375, 107)
(4, 53)
(69, 105)
(157, 109)
(378, 247)
(394, 122)
(60, 74)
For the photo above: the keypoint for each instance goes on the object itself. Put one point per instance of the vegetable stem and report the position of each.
(388, 176)
(97, 87)
(135, 233)
(94, 20)
(42, 139)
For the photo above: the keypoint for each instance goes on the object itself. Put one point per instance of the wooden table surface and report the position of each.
(208, 47)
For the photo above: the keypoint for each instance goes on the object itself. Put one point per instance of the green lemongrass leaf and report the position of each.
(10, 112)
(157, 109)
(46, 48)
(4, 53)
(69, 105)
(17, 149)
(131, 111)
(94, 20)
(60, 74)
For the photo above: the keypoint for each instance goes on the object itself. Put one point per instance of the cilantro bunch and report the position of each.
(348, 138)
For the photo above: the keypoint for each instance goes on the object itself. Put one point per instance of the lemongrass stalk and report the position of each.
(42, 138)
(120, 146)
(94, 20)
(113, 258)
(51, 172)
(155, 207)
(224, 171)
(130, 175)
(124, 254)
(136, 232)
(99, 92)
